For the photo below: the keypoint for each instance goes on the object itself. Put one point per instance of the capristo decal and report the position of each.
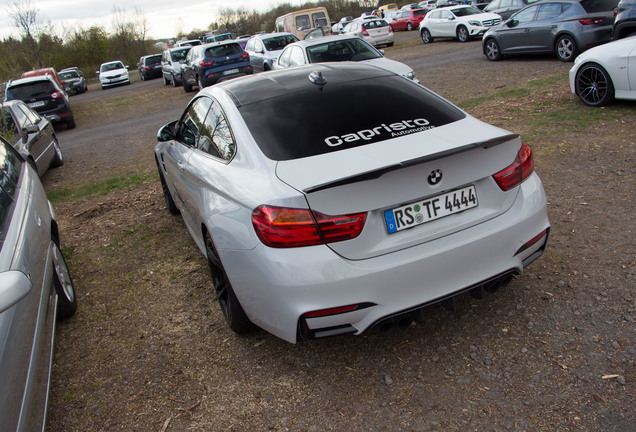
(405, 127)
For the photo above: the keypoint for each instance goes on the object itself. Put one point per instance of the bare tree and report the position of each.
(25, 18)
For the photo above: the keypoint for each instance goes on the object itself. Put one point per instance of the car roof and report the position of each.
(270, 35)
(27, 80)
(280, 83)
(11, 103)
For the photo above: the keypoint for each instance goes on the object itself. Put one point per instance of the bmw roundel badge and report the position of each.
(435, 177)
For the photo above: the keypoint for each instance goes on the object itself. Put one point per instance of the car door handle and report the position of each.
(181, 167)
(526, 30)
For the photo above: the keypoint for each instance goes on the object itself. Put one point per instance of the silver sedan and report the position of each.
(335, 197)
(35, 288)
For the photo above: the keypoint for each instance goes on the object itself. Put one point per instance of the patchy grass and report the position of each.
(100, 188)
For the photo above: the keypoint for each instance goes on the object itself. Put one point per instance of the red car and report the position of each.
(406, 19)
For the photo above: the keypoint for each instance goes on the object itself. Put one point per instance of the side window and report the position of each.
(33, 117)
(526, 15)
(191, 123)
(21, 117)
(302, 22)
(216, 137)
(8, 128)
(296, 57)
(258, 46)
(445, 15)
(548, 11)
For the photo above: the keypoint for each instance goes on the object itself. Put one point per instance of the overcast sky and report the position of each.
(164, 17)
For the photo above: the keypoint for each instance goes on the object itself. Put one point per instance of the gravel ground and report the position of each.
(148, 349)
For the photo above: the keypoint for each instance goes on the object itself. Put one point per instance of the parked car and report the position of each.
(605, 73)
(31, 135)
(337, 27)
(113, 73)
(44, 71)
(563, 27)
(429, 5)
(44, 95)
(150, 67)
(190, 42)
(242, 40)
(375, 31)
(264, 49)
(625, 19)
(36, 290)
(505, 8)
(171, 61)
(406, 19)
(74, 80)
(338, 49)
(219, 37)
(369, 197)
(208, 64)
(460, 22)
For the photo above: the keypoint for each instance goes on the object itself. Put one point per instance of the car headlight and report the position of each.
(475, 23)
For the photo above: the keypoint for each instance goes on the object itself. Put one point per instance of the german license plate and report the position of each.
(230, 72)
(37, 104)
(436, 207)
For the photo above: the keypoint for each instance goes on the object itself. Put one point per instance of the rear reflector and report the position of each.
(513, 175)
(331, 311)
(532, 241)
(281, 227)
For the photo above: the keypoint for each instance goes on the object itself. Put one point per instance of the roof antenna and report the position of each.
(317, 78)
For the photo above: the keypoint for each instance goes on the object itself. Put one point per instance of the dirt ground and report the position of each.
(148, 349)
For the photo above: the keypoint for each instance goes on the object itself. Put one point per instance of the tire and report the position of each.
(141, 76)
(187, 87)
(200, 83)
(66, 300)
(165, 81)
(70, 124)
(266, 67)
(174, 81)
(389, 44)
(409, 26)
(172, 207)
(594, 85)
(58, 159)
(492, 50)
(426, 36)
(462, 34)
(566, 49)
(232, 310)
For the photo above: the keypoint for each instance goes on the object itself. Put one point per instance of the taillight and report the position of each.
(245, 56)
(390, 29)
(280, 227)
(146, 67)
(57, 95)
(588, 21)
(207, 63)
(365, 32)
(518, 171)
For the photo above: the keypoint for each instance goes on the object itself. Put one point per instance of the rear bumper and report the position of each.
(213, 77)
(276, 287)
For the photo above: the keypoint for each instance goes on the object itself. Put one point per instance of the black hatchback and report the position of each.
(150, 67)
(45, 96)
(208, 64)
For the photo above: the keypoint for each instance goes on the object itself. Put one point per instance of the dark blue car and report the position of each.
(208, 64)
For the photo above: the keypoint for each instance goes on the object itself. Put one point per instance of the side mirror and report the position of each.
(126, 67)
(451, 19)
(168, 132)
(14, 286)
(512, 22)
(31, 129)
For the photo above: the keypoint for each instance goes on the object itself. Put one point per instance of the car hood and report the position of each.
(390, 65)
(486, 16)
(113, 73)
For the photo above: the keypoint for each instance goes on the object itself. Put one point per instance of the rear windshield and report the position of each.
(36, 89)
(419, 12)
(223, 50)
(592, 6)
(279, 42)
(374, 24)
(154, 60)
(338, 117)
(68, 75)
(179, 54)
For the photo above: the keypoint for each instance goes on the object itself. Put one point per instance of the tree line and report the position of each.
(40, 45)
